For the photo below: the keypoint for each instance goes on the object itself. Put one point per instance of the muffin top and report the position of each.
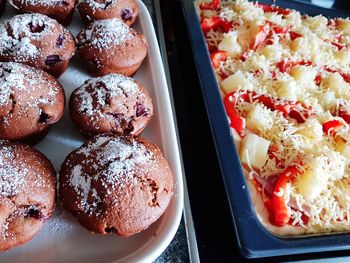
(104, 40)
(116, 184)
(113, 103)
(126, 10)
(27, 193)
(30, 100)
(105, 34)
(45, 3)
(36, 40)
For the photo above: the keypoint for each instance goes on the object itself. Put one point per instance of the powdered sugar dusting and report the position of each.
(106, 33)
(95, 5)
(48, 3)
(103, 88)
(17, 33)
(81, 184)
(12, 176)
(120, 159)
(114, 162)
(15, 77)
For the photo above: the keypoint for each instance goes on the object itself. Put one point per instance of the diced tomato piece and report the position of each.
(266, 101)
(330, 127)
(222, 75)
(218, 56)
(215, 22)
(304, 218)
(293, 35)
(318, 79)
(210, 6)
(329, 69)
(237, 122)
(269, 41)
(277, 206)
(301, 115)
(279, 29)
(263, 32)
(225, 26)
(285, 108)
(274, 9)
(288, 108)
(339, 37)
(209, 23)
(284, 65)
(344, 114)
(244, 56)
(338, 45)
(345, 76)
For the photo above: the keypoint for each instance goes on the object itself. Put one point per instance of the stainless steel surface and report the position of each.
(190, 232)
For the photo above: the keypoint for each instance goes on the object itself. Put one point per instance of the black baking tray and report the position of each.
(254, 240)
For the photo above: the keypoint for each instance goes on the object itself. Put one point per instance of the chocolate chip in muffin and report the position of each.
(126, 14)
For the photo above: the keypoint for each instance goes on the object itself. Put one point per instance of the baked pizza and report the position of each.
(285, 84)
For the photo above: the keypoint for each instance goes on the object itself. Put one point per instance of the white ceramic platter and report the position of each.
(62, 239)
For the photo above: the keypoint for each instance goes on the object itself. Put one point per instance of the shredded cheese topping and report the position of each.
(308, 64)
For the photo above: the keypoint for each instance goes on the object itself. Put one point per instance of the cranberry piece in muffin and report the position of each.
(61, 10)
(111, 46)
(38, 41)
(31, 100)
(116, 185)
(27, 193)
(113, 103)
(91, 10)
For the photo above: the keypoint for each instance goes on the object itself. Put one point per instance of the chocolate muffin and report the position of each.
(115, 184)
(2, 6)
(38, 41)
(113, 103)
(61, 10)
(30, 101)
(27, 193)
(91, 10)
(110, 46)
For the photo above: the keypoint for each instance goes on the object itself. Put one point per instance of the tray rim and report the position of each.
(246, 223)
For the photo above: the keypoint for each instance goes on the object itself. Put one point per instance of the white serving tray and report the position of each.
(62, 239)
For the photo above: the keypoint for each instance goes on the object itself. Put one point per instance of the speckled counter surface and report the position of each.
(177, 251)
